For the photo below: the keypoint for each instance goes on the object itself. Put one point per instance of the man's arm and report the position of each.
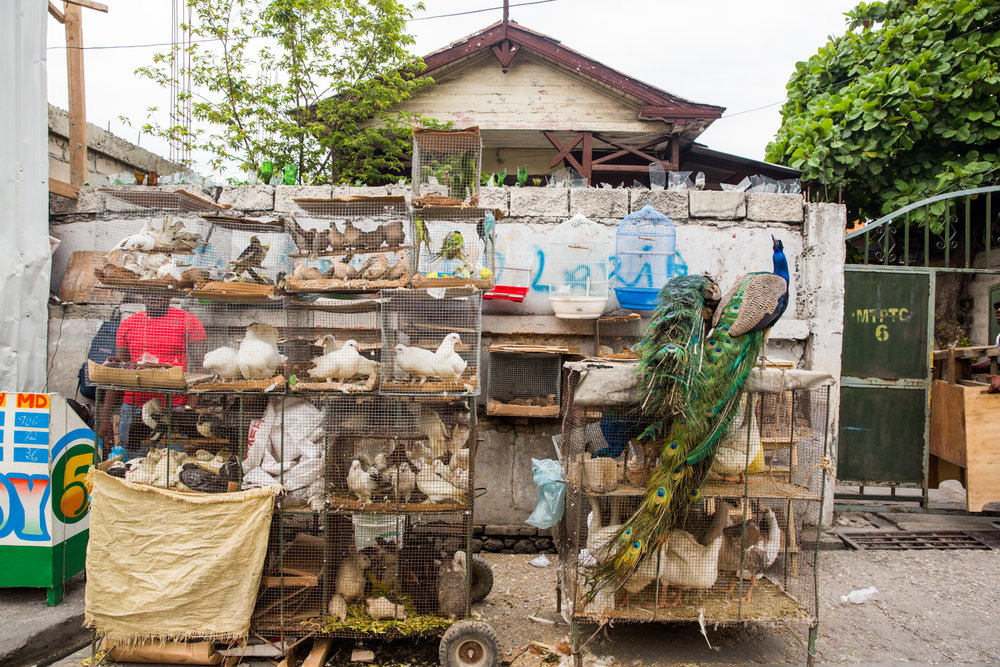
(110, 404)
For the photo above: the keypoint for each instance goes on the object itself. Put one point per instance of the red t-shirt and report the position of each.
(165, 338)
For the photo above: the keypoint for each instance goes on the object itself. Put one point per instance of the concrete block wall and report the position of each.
(724, 234)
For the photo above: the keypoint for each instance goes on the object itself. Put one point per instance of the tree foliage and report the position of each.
(304, 82)
(902, 107)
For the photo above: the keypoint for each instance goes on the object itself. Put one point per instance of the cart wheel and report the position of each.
(469, 644)
(482, 579)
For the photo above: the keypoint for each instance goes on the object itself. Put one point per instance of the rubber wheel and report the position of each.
(469, 644)
(482, 579)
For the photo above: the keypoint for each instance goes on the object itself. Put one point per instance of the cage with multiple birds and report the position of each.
(617, 334)
(646, 253)
(431, 341)
(525, 380)
(446, 166)
(740, 547)
(577, 261)
(350, 244)
(454, 246)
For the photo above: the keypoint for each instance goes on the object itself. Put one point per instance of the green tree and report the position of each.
(304, 82)
(902, 107)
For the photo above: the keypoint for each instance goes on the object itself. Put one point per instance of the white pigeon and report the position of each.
(460, 459)
(360, 482)
(435, 487)
(403, 480)
(415, 361)
(170, 269)
(432, 427)
(258, 356)
(144, 239)
(343, 364)
(223, 362)
(448, 365)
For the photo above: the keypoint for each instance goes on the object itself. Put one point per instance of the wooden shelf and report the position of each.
(758, 486)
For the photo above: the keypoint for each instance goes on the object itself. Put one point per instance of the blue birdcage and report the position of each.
(647, 257)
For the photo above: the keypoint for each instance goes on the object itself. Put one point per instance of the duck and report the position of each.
(740, 450)
(687, 564)
(749, 555)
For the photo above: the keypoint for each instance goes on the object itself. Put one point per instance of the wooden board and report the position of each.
(537, 349)
(505, 410)
(293, 284)
(328, 386)
(344, 504)
(235, 292)
(421, 281)
(432, 386)
(964, 434)
(79, 281)
(144, 378)
(759, 485)
(270, 384)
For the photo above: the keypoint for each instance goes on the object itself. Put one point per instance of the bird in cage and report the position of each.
(372, 240)
(306, 272)
(144, 239)
(691, 379)
(223, 361)
(434, 486)
(336, 240)
(403, 481)
(360, 482)
(309, 241)
(399, 269)
(394, 233)
(423, 236)
(173, 236)
(342, 364)
(747, 551)
(258, 356)
(448, 364)
(740, 450)
(375, 267)
(251, 258)
(414, 361)
(341, 271)
(351, 234)
(687, 564)
(452, 247)
(484, 228)
(434, 430)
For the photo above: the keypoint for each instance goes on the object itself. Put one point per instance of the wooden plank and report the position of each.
(982, 447)
(89, 4)
(290, 581)
(317, 656)
(77, 94)
(56, 14)
(79, 282)
(63, 188)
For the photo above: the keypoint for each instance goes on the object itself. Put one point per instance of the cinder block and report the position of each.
(248, 197)
(716, 204)
(285, 194)
(773, 207)
(599, 202)
(671, 203)
(495, 198)
(539, 202)
(365, 191)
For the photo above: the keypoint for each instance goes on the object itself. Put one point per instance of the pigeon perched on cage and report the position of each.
(415, 361)
(310, 241)
(258, 356)
(448, 364)
(252, 257)
(394, 233)
(342, 364)
(223, 361)
(360, 482)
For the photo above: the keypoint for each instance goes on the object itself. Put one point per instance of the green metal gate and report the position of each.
(889, 333)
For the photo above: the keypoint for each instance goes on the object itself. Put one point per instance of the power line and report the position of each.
(478, 11)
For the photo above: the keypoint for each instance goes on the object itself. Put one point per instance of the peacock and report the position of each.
(690, 386)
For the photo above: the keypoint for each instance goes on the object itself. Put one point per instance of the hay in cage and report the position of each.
(617, 334)
(525, 380)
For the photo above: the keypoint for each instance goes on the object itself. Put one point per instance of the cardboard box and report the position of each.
(146, 378)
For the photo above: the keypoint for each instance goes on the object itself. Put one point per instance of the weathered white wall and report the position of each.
(724, 234)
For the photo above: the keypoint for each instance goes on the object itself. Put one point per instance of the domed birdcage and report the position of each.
(577, 262)
(646, 252)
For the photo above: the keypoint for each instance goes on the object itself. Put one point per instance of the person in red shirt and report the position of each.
(160, 334)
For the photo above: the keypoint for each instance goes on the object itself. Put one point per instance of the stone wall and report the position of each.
(724, 234)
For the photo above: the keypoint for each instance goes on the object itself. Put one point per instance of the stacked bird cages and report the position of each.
(351, 244)
(334, 345)
(455, 246)
(525, 380)
(578, 263)
(243, 261)
(446, 166)
(738, 553)
(617, 334)
(431, 341)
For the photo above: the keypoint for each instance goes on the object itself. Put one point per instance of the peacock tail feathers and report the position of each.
(708, 393)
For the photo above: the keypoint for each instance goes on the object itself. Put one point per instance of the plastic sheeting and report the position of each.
(25, 259)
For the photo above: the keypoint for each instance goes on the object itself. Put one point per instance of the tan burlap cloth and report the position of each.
(166, 564)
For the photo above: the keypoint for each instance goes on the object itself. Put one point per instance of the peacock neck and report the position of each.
(780, 265)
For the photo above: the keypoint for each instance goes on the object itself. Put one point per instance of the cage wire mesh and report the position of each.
(447, 164)
(617, 334)
(361, 574)
(351, 244)
(389, 453)
(335, 346)
(159, 198)
(524, 384)
(738, 554)
(455, 246)
(431, 341)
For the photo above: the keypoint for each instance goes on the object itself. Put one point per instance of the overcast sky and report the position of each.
(730, 53)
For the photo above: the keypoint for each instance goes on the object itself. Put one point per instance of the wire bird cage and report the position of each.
(647, 257)
(578, 257)
(350, 244)
(525, 380)
(431, 341)
(617, 335)
(745, 551)
(446, 166)
(333, 345)
(455, 246)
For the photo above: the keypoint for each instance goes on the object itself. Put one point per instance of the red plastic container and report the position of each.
(507, 293)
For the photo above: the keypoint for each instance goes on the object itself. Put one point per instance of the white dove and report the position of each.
(434, 486)
(403, 481)
(169, 269)
(342, 364)
(360, 482)
(448, 365)
(432, 427)
(258, 356)
(415, 361)
(223, 362)
(144, 239)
